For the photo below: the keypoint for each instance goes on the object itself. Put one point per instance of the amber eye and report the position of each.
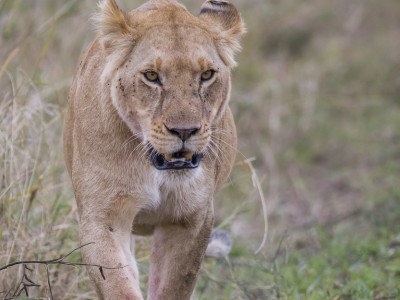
(151, 76)
(207, 75)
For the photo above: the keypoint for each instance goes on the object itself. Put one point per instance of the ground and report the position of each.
(316, 102)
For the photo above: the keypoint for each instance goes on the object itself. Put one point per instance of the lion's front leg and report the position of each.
(107, 227)
(176, 255)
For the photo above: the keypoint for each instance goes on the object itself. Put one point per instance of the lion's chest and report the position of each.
(166, 197)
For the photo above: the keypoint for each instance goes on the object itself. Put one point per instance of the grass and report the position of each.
(316, 103)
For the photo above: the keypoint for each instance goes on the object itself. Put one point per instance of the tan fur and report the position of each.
(114, 113)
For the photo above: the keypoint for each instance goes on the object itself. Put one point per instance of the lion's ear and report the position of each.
(224, 19)
(114, 26)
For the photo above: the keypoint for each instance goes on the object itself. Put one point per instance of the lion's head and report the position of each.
(169, 73)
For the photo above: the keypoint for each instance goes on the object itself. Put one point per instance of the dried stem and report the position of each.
(26, 282)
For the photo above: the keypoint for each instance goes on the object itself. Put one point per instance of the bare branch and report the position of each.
(59, 261)
(48, 282)
(26, 282)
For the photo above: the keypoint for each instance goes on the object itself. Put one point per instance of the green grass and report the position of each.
(337, 266)
(316, 102)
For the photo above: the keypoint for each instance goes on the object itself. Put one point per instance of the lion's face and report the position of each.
(173, 84)
(172, 93)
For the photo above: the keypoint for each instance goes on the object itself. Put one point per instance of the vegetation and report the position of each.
(316, 102)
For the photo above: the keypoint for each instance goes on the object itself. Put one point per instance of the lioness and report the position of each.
(149, 139)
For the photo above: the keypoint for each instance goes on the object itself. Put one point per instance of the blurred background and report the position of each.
(316, 99)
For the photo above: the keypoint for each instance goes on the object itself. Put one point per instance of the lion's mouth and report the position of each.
(176, 161)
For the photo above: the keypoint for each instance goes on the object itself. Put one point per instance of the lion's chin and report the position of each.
(175, 161)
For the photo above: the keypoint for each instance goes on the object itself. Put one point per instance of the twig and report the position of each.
(59, 261)
(48, 282)
(23, 285)
(26, 282)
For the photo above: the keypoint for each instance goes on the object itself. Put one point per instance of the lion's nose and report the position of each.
(183, 133)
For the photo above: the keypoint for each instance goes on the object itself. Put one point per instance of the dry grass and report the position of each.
(316, 103)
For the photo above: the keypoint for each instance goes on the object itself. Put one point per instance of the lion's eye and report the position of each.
(207, 75)
(151, 76)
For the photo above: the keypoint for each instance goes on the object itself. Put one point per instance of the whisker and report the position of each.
(215, 139)
(223, 157)
(137, 147)
(215, 153)
(218, 150)
(233, 148)
(143, 152)
(133, 137)
(130, 140)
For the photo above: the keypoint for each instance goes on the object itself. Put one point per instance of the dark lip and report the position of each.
(160, 163)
